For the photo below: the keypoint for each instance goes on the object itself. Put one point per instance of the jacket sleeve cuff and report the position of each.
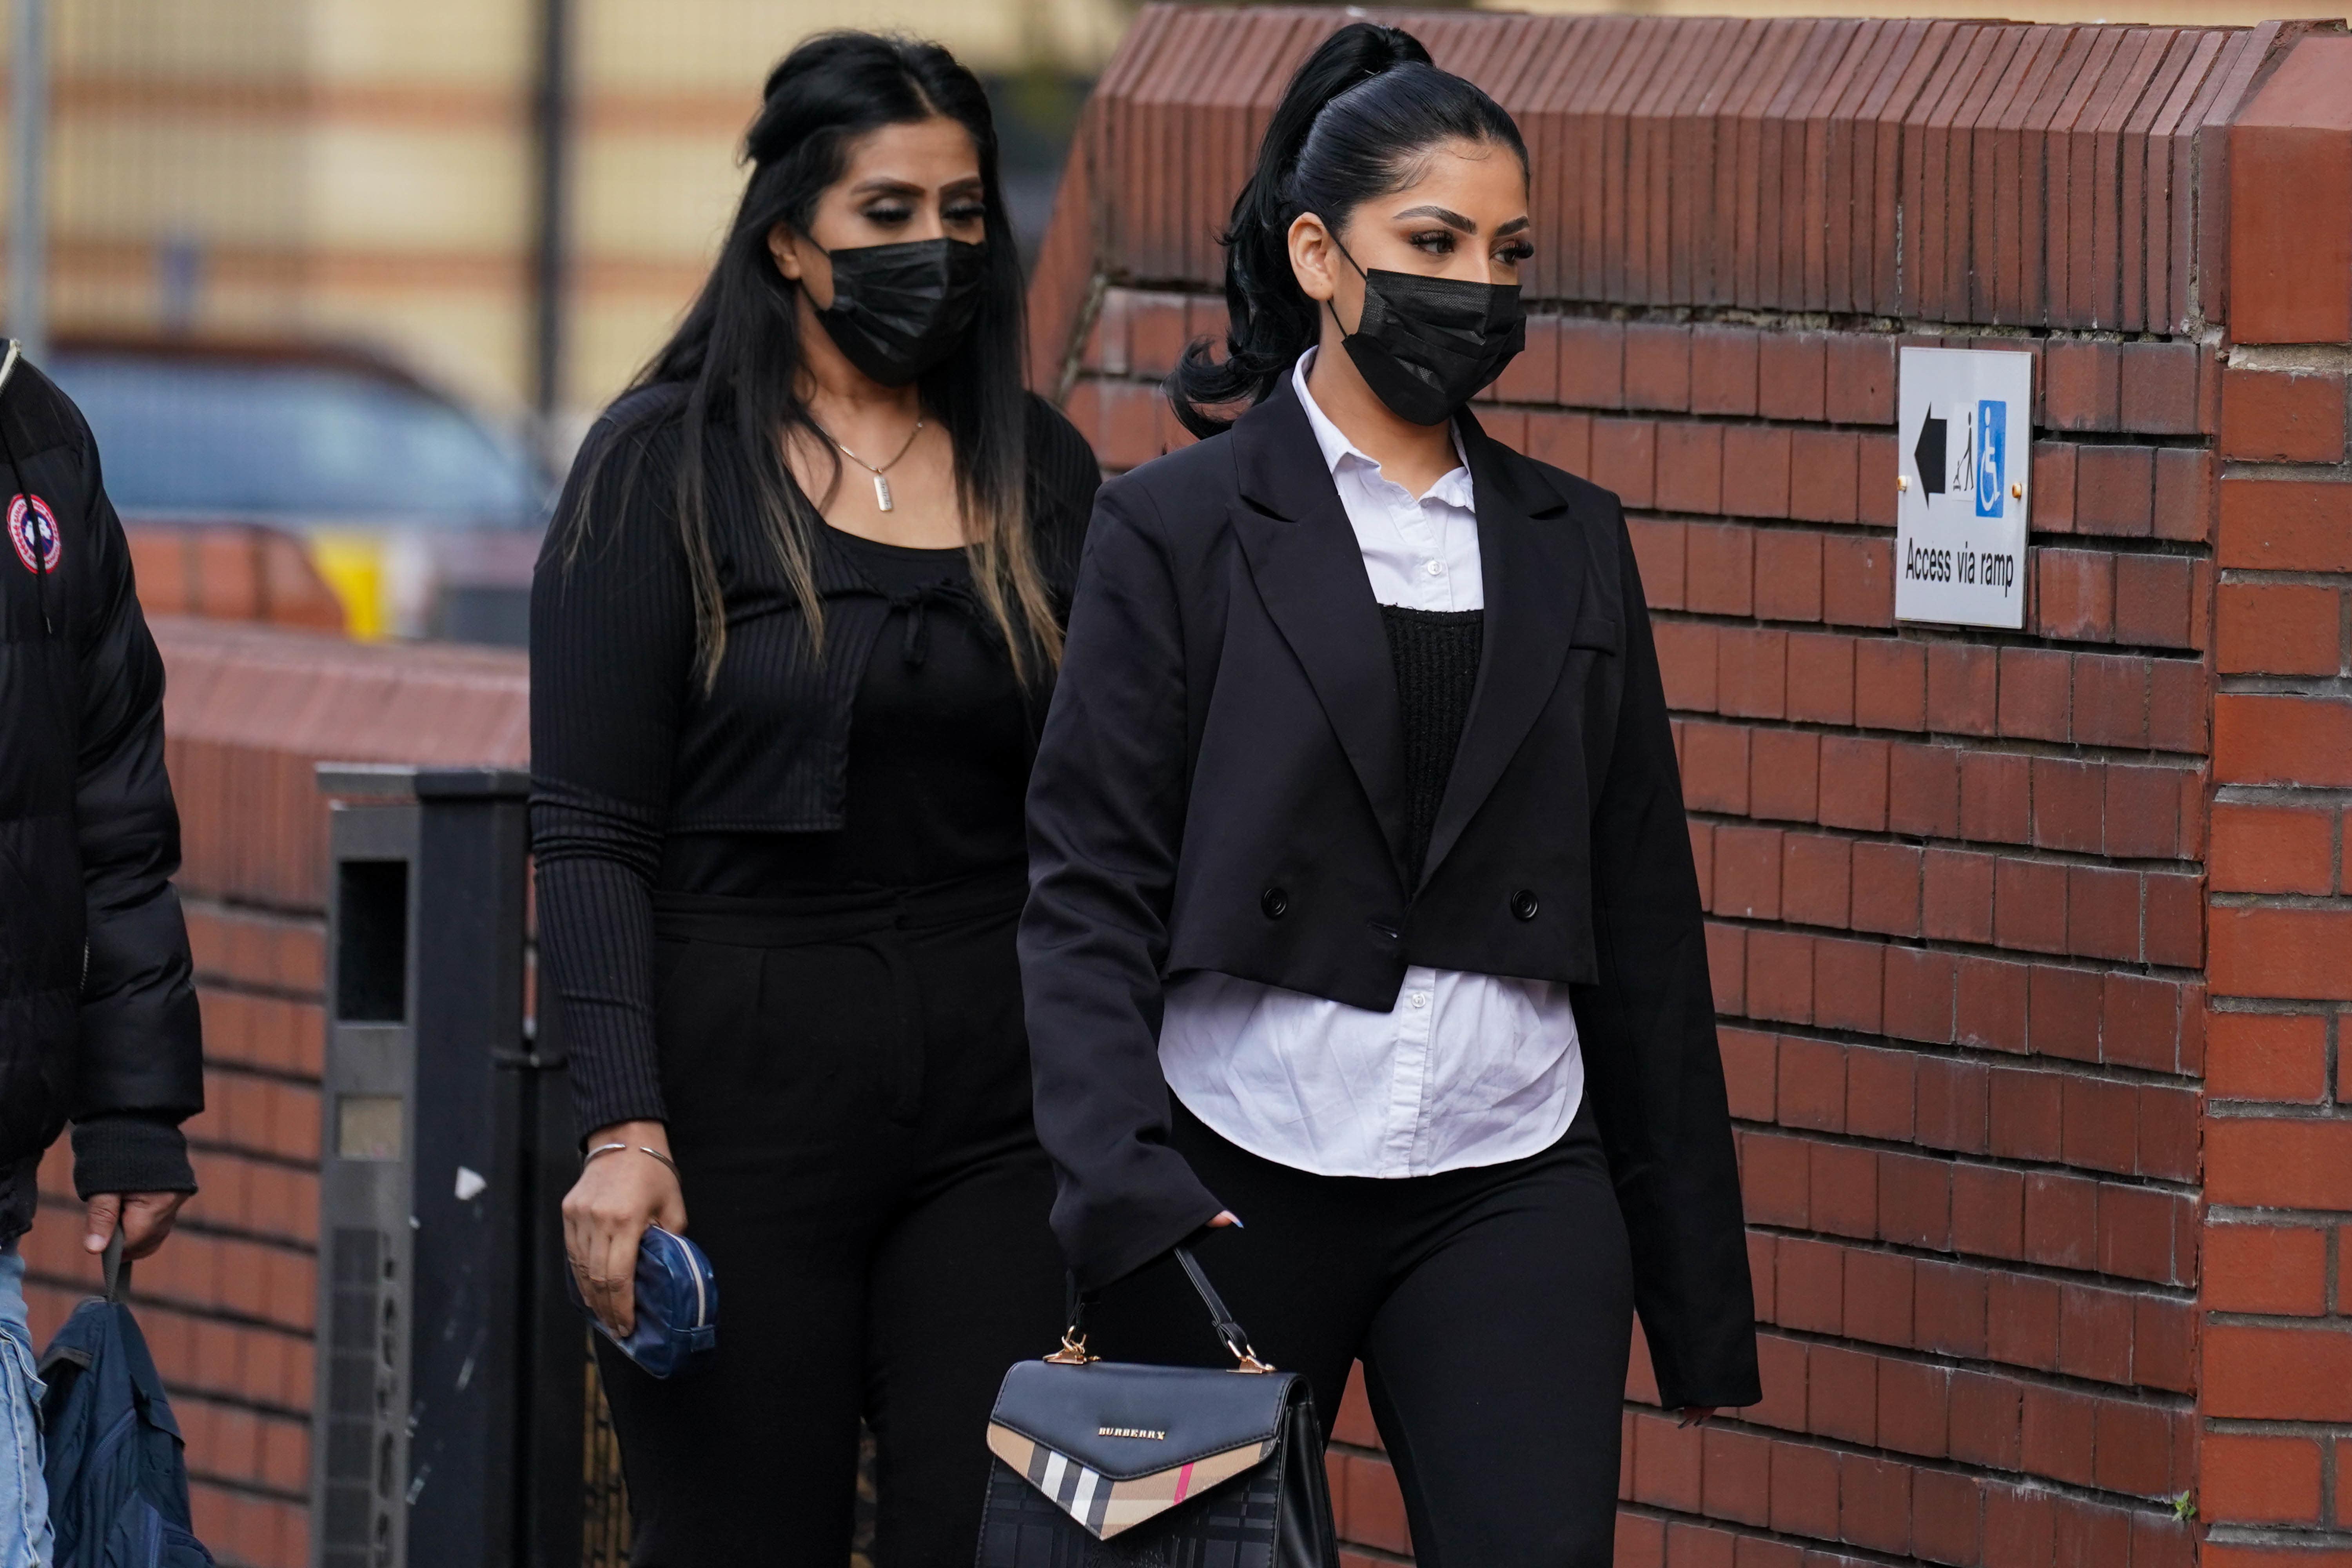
(130, 1153)
(1110, 1230)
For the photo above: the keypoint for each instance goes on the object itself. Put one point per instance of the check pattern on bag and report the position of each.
(1105, 1505)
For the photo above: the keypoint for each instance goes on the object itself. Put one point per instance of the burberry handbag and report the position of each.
(1103, 1464)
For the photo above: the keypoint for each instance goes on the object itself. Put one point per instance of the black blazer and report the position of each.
(1220, 785)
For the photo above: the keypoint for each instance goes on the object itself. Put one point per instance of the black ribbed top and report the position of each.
(642, 779)
(1435, 654)
(938, 763)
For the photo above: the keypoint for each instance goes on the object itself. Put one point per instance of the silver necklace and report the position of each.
(881, 484)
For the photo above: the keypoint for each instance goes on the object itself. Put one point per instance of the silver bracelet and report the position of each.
(640, 1148)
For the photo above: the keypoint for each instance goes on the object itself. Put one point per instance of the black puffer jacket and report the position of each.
(98, 1010)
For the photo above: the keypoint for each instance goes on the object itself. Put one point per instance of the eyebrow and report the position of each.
(1445, 215)
(882, 184)
(1452, 219)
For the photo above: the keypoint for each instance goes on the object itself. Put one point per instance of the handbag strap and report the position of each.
(1228, 1328)
(116, 1267)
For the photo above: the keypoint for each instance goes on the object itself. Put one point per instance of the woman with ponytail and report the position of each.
(1363, 944)
(796, 627)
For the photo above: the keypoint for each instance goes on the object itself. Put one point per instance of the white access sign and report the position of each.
(1964, 443)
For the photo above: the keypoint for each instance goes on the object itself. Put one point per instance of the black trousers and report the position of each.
(848, 1089)
(1492, 1309)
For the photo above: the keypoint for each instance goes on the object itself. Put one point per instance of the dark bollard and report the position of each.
(448, 1414)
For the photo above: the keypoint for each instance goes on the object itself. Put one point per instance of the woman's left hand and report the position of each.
(1694, 1413)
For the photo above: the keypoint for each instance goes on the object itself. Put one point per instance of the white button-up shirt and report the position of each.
(1465, 1070)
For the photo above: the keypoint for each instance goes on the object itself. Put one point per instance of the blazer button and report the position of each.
(1274, 902)
(1524, 904)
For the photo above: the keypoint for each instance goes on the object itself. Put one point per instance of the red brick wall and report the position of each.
(2011, 1264)
(2275, 1390)
(227, 1304)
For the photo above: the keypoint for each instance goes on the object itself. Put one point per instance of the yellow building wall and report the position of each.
(362, 169)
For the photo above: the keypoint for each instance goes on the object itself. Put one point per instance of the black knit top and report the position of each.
(937, 766)
(896, 756)
(1435, 654)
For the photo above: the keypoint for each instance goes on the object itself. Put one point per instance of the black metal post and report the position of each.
(434, 1415)
(551, 150)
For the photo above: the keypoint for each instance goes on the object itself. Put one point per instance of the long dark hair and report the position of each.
(738, 352)
(1354, 124)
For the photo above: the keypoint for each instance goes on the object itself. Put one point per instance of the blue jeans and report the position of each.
(24, 1537)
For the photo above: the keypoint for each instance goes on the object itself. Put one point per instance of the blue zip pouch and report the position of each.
(677, 1306)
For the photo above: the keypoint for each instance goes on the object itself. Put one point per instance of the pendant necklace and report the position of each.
(881, 483)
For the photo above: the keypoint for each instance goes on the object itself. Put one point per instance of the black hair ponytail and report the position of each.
(1352, 126)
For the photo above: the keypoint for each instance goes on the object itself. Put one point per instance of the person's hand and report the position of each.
(1224, 1217)
(145, 1217)
(1694, 1413)
(606, 1212)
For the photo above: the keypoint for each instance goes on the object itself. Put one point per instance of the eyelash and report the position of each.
(1439, 242)
(962, 212)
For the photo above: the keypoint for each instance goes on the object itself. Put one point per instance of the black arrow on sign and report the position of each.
(1929, 453)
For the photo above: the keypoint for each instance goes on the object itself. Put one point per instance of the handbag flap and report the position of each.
(1126, 1420)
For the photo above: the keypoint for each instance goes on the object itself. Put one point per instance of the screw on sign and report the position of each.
(1961, 508)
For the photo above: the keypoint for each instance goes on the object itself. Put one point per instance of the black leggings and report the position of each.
(1492, 1309)
(849, 1091)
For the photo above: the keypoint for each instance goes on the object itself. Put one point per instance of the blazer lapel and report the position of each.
(1310, 572)
(1534, 575)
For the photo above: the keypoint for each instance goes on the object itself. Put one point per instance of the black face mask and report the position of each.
(899, 310)
(1426, 344)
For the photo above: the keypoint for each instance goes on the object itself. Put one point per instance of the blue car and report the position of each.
(422, 516)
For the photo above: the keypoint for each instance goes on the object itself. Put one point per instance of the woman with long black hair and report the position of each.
(1357, 826)
(792, 638)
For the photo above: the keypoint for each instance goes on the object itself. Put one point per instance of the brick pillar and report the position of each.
(2276, 1389)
